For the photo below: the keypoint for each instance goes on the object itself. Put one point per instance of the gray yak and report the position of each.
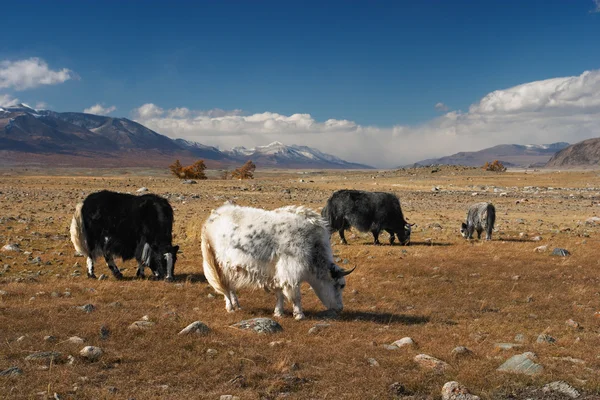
(274, 250)
(480, 217)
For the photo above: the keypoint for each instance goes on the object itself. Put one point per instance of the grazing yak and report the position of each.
(127, 226)
(480, 217)
(274, 250)
(367, 212)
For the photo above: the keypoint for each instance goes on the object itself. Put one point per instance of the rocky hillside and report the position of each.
(582, 154)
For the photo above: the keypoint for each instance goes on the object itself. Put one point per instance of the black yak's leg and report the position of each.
(479, 233)
(140, 270)
(113, 267)
(488, 234)
(375, 233)
(392, 237)
(90, 268)
(341, 232)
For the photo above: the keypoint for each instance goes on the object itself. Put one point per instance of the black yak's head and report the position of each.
(464, 231)
(161, 260)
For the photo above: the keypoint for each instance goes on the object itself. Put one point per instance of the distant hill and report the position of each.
(44, 137)
(582, 154)
(511, 155)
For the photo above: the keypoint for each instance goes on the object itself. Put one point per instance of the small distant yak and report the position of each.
(111, 224)
(480, 217)
(368, 212)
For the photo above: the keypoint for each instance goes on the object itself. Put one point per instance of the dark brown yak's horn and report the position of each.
(348, 272)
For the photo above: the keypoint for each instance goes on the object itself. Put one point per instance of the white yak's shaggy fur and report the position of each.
(274, 250)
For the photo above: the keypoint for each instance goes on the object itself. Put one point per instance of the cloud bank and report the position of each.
(31, 73)
(6, 100)
(99, 109)
(559, 109)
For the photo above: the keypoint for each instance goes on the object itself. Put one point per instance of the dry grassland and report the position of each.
(442, 291)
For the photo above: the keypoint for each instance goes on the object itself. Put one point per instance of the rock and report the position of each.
(507, 346)
(88, 308)
(405, 341)
(141, 325)
(12, 371)
(37, 260)
(259, 325)
(188, 182)
(398, 390)
(142, 190)
(91, 353)
(573, 324)
(11, 247)
(318, 328)
(536, 239)
(455, 391)
(104, 332)
(593, 221)
(520, 338)
(522, 364)
(373, 362)
(541, 249)
(51, 339)
(560, 252)
(545, 338)
(427, 361)
(3, 292)
(21, 338)
(390, 347)
(75, 340)
(228, 397)
(461, 351)
(561, 387)
(523, 235)
(46, 356)
(197, 328)
(211, 352)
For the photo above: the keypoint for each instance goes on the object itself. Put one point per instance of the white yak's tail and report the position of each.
(78, 232)
(212, 269)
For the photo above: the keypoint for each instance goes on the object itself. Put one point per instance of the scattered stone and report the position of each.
(91, 353)
(228, 397)
(398, 390)
(21, 338)
(141, 325)
(50, 339)
(520, 338)
(188, 182)
(276, 343)
(461, 351)
(115, 304)
(12, 371)
(427, 361)
(592, 221)
(507, 346)
(541, 249)
(211, 352)
(523, 235)
(455, 391)
(545, 338)
(45, 356)
(405, 341)
(11, 247)
(561, 387)
(573, 324)
(104, 332)
(390, 347)
(37, 260)
(560, 252)
(75, 340)
(259, 325)
(3, 292)
(88, 308)
(522, 364)
(142, 190)
(373, 362)
(210, 296)
(318, 328)
(536, 239)
(196, 328)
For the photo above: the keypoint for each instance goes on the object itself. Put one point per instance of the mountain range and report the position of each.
(511, 155)
(29, 136)
(582, 154)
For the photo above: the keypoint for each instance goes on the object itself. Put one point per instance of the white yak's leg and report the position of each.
(234, 300)
(293, 295)
(90, 268)
(279, 304)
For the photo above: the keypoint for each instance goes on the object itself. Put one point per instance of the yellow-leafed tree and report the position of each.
(194, 171)
(246, 171)
(495, 166)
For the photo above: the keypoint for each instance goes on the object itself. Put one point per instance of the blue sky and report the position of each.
(378, 64)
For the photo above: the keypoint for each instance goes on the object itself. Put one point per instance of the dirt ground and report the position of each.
(442, 291)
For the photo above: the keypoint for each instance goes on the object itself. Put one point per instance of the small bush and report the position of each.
(194, 171)
(246, 171)
(495, 166)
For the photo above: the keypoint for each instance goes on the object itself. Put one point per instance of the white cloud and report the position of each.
(559, 109)
(99, 109)
(6, 100)
(597, 8)
(30, 73)
(41, 105)
(441, 107)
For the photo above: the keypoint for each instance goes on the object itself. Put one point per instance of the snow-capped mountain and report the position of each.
(279, 154)
(74, 138)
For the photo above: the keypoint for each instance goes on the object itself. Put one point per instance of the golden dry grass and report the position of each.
(443, 292)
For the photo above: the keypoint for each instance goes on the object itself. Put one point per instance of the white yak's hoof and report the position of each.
(299, 317)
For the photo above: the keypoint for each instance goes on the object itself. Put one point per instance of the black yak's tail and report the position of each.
(490, 220)
(78, 232)
(328, 217)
